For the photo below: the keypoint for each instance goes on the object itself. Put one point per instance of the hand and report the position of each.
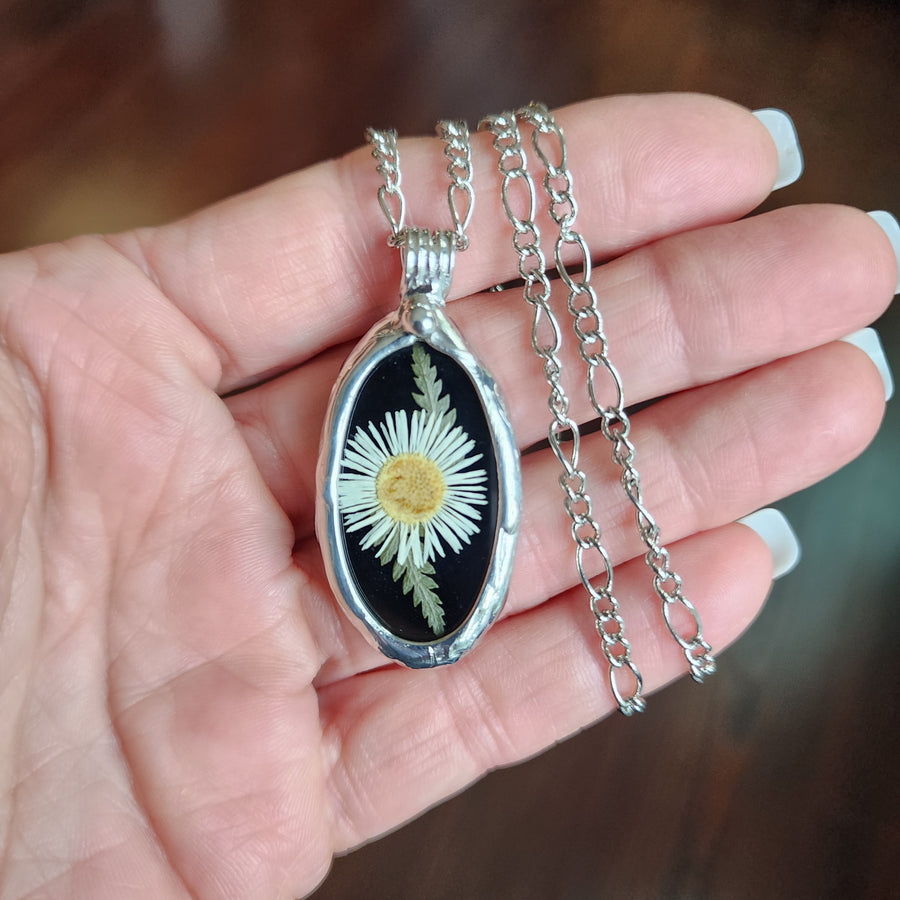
(185, 712)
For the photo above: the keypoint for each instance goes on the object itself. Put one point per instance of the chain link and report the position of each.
(390, 196)
(457, 149)
(563, 435)
(594, 350)
(459, 194)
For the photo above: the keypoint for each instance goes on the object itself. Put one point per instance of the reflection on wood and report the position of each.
(778, 778)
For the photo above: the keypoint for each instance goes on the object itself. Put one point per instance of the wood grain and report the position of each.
(777, 779)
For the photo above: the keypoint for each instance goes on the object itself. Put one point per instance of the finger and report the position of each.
(402, 740)
(709, 456)
(701, 305)
(706, 457)
(276, 275)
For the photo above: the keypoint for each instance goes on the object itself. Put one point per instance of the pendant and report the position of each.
(419, 489)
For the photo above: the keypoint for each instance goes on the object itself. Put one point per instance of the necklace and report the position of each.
(420, 493)
(420, 498)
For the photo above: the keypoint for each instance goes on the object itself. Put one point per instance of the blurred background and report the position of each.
(778, 778)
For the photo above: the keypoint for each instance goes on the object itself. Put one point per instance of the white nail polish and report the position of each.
(869, 342)
(790, 158)
(891, 228)
(772, 526)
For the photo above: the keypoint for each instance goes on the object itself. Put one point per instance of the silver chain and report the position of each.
(563, 435)
(615, 423)
(390, 196)
(457, 149)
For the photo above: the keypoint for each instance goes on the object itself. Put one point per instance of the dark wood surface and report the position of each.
(780, 777)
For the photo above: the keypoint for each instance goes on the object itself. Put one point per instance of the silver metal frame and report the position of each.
(420, 318)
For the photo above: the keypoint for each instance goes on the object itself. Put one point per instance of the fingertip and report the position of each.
(783, 133)
(670, 162)
(891, 228)
(732, 568)
(862, 398)
(867, 340)
(773, 527)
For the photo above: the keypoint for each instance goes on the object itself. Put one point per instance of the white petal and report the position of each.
(372, 444)
(388, 539)
(418, 428)
(448, 534)
(389, 427)
(390, 435)
(469, 474)
(460, 461)
(467, 491)
(431, 433)
(457, 523)
(373, 517)
(404, 547)
(368, 464)
(432, 543)
(402, 431)
(445, 447)
(463, 510)
(379, 532)
(416, 544)
(356, 478)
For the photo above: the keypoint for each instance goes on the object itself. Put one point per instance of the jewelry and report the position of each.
(564, 435)
(419, 499)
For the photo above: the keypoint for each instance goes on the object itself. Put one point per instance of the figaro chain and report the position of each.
(563, 432)
(457, 149)
(563, 435)
(615, 423)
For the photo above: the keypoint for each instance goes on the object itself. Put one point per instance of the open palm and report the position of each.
(183, 710)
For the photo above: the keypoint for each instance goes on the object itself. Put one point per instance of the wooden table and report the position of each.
(777, 779)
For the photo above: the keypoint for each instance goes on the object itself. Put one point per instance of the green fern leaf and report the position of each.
(423, 587)
(430, 386)
(425, 377)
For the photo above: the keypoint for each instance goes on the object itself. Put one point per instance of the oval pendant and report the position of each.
(419, 479)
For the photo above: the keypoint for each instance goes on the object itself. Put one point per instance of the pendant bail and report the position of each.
(428, 260)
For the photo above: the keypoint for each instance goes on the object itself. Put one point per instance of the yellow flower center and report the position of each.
(410, 488)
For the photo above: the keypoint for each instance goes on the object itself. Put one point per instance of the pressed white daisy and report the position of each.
(410, 481)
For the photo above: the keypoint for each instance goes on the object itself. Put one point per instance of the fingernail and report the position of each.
(869, 342)
(790, 157)
(772, 526)
(891, 228)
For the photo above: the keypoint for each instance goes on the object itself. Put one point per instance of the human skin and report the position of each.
(184, 711)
